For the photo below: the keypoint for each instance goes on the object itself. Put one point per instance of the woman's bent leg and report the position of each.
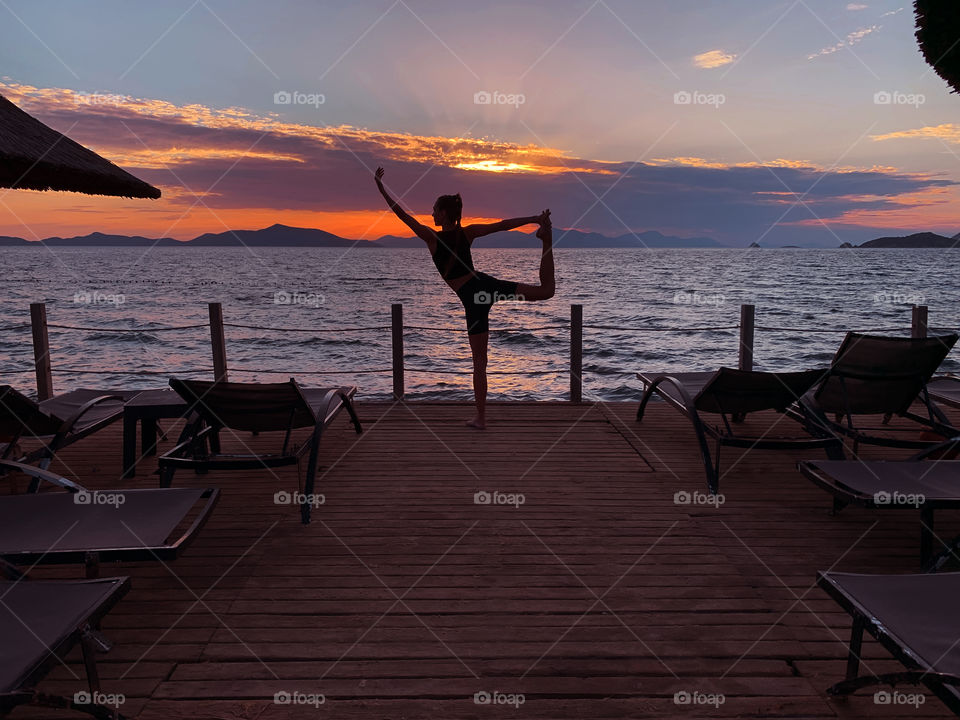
(547, 287)
(478, 347)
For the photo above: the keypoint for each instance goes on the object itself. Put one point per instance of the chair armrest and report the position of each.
(86, 407)
(40, 474)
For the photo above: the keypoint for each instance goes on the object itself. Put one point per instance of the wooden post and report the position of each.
(747, 316)
(576, 353)
(396, 322)
(218, 342)
(918, 321)
(41, 350)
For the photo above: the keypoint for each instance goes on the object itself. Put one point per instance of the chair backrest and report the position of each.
(871, 374)
(253, 407)
(21, 415)
(745, 391)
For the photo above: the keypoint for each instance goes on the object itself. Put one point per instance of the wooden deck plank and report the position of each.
(598, 596)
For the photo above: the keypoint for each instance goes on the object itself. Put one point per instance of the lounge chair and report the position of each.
(914, 617)
(90, 527)
(732, 394)
(254, 407)
(945, 389)
(872, 375)
(895, 485)
(43, 620)
(56, 422)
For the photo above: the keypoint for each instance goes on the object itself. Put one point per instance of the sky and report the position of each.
(805, 122)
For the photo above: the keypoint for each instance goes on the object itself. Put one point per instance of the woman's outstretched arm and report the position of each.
(421, 230)
(481, 229)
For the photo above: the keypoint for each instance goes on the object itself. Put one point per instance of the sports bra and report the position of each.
(452, 256)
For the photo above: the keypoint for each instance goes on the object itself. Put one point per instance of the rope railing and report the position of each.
(653, 328)
(772, 328)
(306, 330)
(746, 328)
(165, 373)
(127, 330)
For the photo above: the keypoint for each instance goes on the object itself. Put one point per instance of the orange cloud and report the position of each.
(948, 132)
(713, 59)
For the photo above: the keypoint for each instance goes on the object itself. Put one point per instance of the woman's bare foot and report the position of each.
(478, 423)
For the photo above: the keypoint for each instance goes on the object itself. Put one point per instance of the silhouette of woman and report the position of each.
(450, 248)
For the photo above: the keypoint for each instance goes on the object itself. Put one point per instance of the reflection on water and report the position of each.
(330, 288)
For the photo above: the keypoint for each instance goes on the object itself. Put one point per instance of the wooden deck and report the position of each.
(598, 597)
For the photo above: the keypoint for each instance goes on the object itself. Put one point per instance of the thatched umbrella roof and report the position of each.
(938, 33)
(36, 157)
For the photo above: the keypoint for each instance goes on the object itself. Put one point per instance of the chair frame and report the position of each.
(90, 641)
(199, 447)
(935, 420)
(92, 557)
(938, 683)
(726, 436)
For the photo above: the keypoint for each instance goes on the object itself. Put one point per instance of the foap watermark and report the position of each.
(682, 497)
(97, 497)
(95, 98)
(98, 297)
(895, 697)
(485, 298)
(695, 697)
(297, 297)
(84, 697)
(282, 497)
(482, 497)
(695, 97)
(483, 697)
(899, 499)
(295, 97)
(894, 97)
(896, 297)
(681, 297)
(298, 698)
(483, 97)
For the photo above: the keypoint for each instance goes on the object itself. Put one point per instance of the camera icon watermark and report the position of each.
(483, 697)
(695, 697)
(484, 97)
(895, 697)
(95, 98)
(695, 97)
(84, 697)
(485, 298)
(683, 497)
(282, 497)
(295, 97)
(894, 97)
(482, 497)
(284, 697)
(899, 499)
(86, 497)
(98, 297)
(896, 297)
(297, 297)
(682, 297)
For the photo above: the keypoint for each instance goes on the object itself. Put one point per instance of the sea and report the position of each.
(134, 317)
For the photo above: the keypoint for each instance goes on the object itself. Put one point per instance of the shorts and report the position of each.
(478, 294)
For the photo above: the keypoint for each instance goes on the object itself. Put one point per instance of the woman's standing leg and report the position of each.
(478, 347)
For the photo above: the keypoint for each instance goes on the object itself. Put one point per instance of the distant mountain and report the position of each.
(275, 235)
(917, 240)
(104, 240)
(286, 236)
(567, 239)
